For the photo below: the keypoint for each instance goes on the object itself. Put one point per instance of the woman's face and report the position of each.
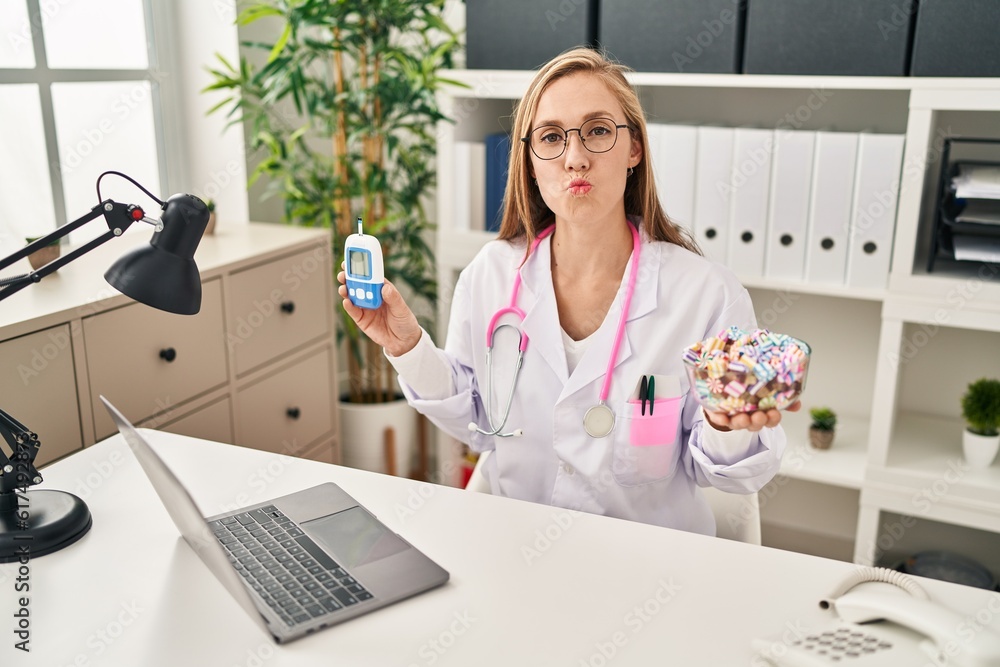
(580, 185)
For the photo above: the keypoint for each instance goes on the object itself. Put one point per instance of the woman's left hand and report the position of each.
(752, 421)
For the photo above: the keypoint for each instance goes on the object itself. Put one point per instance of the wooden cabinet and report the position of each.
(290, 409)
(255, 367)
(146, 361)
(40, 389)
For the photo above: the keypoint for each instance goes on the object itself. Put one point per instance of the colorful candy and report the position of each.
(742, 371)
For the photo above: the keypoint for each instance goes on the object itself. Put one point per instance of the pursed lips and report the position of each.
(579, 186)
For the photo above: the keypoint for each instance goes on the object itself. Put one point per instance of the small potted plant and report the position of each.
(43, 255)
(210, 228)
(821, 431)
(981, 411)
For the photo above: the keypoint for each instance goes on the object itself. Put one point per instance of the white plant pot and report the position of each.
(979, 450)
(362, 430)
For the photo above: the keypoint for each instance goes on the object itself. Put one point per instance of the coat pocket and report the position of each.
(645, 447)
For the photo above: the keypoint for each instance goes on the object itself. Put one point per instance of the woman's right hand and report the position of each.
(392, 325)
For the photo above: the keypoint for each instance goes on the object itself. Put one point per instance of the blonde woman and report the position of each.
(585, 301)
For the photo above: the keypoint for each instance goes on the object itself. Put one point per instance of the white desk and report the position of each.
(132, 593)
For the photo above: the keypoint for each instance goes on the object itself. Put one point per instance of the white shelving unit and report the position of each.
(892, 362)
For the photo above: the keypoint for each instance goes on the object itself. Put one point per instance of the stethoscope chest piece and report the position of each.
(599, 421)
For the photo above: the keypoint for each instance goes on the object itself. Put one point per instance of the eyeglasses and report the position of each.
(598, 135)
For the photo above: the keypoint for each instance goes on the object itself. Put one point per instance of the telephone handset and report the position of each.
(916, 632)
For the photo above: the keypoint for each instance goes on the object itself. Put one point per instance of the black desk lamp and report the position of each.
(162, 275)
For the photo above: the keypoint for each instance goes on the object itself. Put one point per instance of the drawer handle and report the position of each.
(293, 413)
(168, 354)
(288, 307)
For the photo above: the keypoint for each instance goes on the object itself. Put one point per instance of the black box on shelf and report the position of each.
(524, 34)
(957, 38)
(841, 37)
(674, 35)
(967, 214)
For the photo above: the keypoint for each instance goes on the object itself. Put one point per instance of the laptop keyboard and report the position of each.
(293, 575)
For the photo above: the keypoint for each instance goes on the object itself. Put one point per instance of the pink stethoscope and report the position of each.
(599, 420)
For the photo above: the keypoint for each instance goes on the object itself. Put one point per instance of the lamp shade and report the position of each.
(164, 274)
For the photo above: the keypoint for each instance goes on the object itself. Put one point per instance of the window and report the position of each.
(79, 95)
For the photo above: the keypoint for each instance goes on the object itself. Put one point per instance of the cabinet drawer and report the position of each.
(40, 390)
(212, 422)
(278, 306)
(130, 361)
(287, 411)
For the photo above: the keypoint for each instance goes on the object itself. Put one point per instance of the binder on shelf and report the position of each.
(876, 192)
(791, 187)
(830, 203)
(750, 188)
(497, 161)
(470, 185)
(713, 169)
(674, 151)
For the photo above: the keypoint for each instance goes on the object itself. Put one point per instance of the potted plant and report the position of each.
(43, 255)
(343, 115)
(822, 429)
(210, 227)
(981, 411)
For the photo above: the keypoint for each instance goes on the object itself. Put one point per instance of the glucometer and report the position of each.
(364, 268)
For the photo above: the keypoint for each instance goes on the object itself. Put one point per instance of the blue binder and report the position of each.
(497, 160)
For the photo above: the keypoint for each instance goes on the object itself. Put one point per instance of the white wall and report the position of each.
(211, 160)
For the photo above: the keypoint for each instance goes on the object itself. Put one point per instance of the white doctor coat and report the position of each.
(648, 469)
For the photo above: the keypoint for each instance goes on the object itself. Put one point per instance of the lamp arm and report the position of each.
(118, 216)
(17, 470)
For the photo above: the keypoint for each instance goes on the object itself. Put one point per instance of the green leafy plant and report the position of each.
(981, 406)
(210, 205)
(28, 240)
(823, 419)
(343, 113)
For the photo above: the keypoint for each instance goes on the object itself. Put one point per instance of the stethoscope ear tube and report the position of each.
(495, 430)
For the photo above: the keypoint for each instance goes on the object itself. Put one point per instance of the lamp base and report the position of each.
(56, 519)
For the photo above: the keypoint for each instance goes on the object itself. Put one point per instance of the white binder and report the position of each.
(470, 185)
(674, 150)
(791, 186)
(713, 169)
(750, 182)
(876, 191)
(830, 206)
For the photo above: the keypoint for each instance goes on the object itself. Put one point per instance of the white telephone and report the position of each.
(917, 631)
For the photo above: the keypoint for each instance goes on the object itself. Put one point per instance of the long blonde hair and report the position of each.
(525, 213)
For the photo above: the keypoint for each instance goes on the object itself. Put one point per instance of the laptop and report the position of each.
(298, 563)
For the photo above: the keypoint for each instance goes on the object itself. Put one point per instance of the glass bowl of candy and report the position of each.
(742, 371)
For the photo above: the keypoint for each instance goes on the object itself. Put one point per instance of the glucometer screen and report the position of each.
(361, 264)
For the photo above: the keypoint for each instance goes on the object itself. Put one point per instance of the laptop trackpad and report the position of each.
(354, 537)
